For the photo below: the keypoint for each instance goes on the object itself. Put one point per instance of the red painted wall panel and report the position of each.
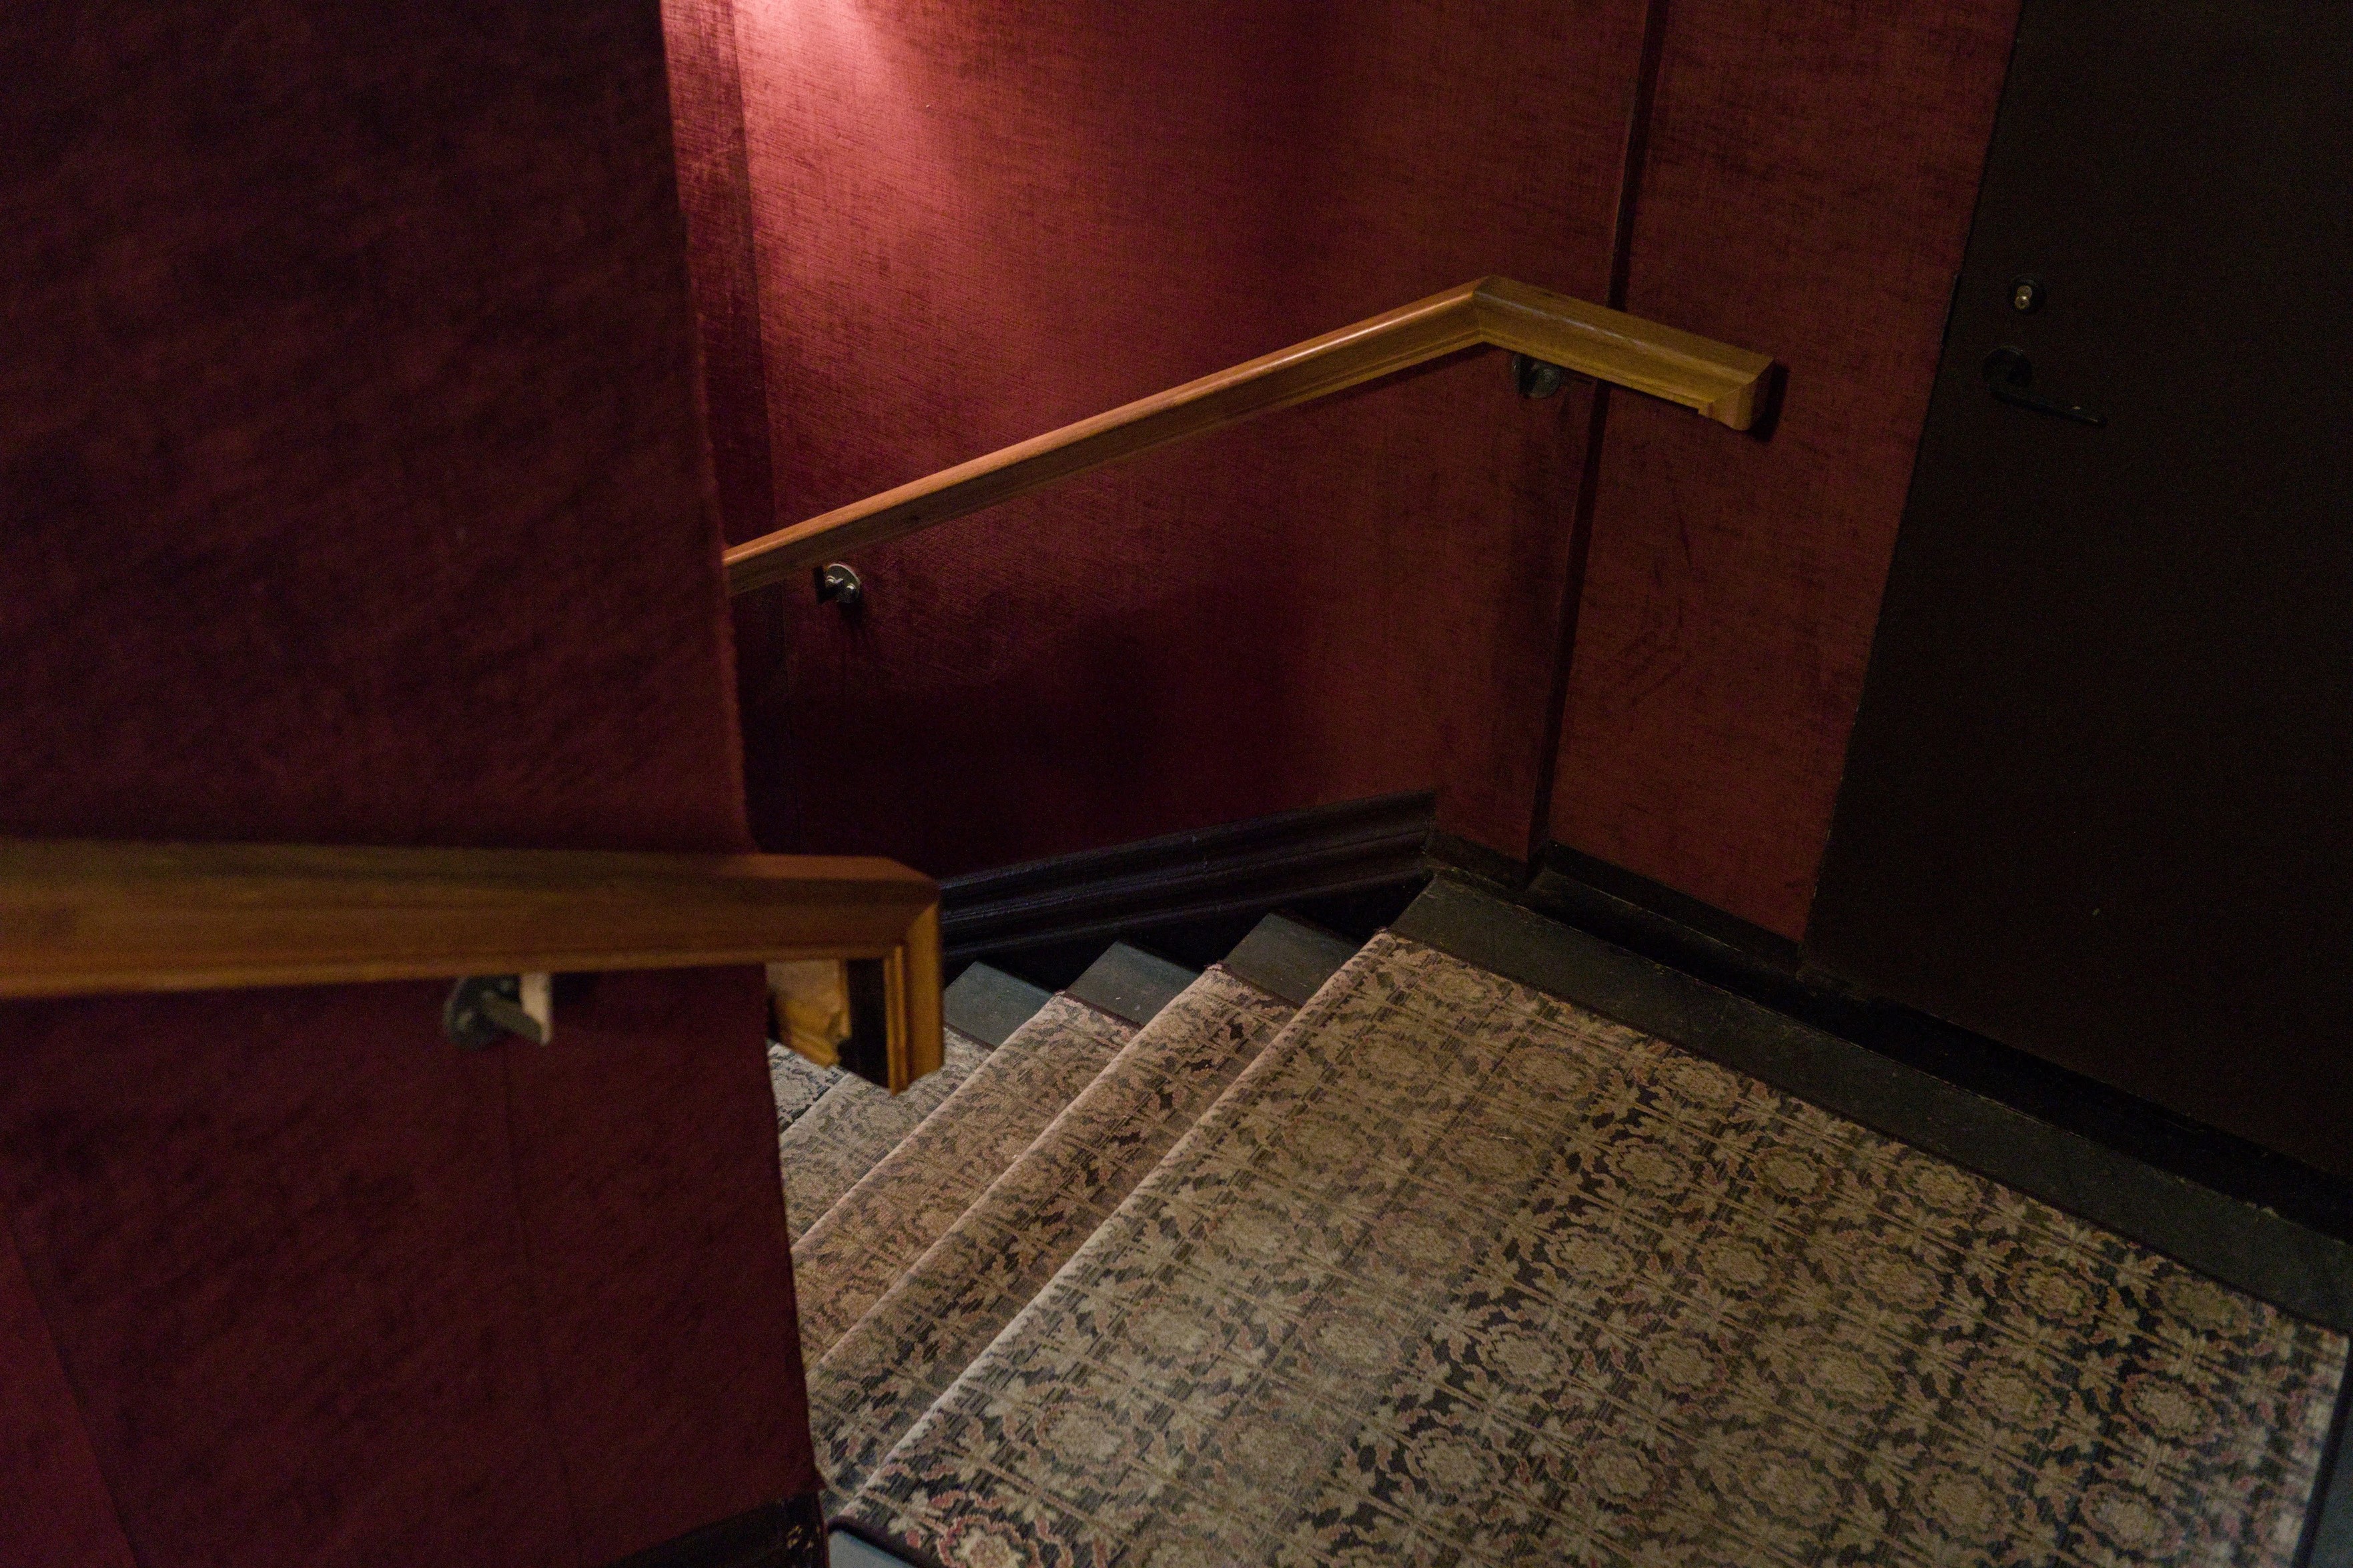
(1807, 191)
(351, 489)
(715, 192)
(714, 180)
(57, 1510)
(975, 224)
(644, 1157)
(275, 1236)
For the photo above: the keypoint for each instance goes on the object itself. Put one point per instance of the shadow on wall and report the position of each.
(1065, 731)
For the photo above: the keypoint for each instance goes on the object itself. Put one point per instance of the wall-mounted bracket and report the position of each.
(483, 1009)
(840, 586)
(1537, 378)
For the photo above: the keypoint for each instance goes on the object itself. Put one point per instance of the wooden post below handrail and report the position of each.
(82, 917)
(1720, 381)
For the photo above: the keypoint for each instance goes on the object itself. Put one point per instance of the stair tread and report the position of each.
(1417, 1283)
(796, 1083)
(887, 1369)
(1289, 958)
(1131, 984)
(828, 1148)
(846, 1261)
(987, 1004)
(844, 1550)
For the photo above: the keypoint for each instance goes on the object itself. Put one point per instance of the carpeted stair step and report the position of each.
(796, 1083)
(862, 1123)
(889, 1367)
(1457, 1272)
(852, 1255)
(829, 1147)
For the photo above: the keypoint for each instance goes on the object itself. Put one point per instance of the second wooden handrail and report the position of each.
(1715, 379)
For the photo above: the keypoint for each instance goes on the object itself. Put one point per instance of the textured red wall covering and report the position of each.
(1807, 191)
(351, 489)
(976, 223)
(715, 189)
(972, 227)
(58, 1509)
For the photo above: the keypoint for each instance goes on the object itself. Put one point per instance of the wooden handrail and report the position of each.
(1717, 380)
(81, 919)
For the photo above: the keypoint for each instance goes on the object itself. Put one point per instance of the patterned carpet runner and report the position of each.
(796, 1082)
(831, 1146)
(943, 1310)
(856, 1251)
(1457, 1273)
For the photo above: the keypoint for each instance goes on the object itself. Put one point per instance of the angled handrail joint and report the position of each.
(1720, 381)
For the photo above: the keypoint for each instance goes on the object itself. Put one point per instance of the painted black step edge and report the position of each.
(1229, 868)
(1671, 929)
(913, 1556)
(788, 1533)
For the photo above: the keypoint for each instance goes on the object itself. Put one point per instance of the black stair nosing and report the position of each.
(787, 1533)
(844, 1549)
(2255, 1249)
(986, 1005)
(1289, 958)
(1130, 983)
(892, 1551)
(1671, 928)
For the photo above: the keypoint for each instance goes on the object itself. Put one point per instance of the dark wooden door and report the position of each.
(2096, 801)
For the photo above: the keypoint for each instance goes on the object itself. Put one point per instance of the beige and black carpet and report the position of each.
(886, 1370)
(857, 1250)
(828, 1147)
(1456, 1273)
(797, 1083)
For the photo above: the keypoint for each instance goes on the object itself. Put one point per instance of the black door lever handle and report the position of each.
(2009, 372)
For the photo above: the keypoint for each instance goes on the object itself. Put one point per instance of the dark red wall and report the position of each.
(974, 225)
(351, 489)
(58, 1507)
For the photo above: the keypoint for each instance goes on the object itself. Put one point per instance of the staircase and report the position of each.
(1328, 1257)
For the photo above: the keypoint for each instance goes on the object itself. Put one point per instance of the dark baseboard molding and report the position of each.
(1683, 934)
(1592, 894)
(1234, 869)
(1070, 907)
(789, 1533)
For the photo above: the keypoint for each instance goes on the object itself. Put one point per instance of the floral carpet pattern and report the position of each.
(854, 1253)
(943, 1310)
(797, 1083)
(827, 1148)
(1456, 1273)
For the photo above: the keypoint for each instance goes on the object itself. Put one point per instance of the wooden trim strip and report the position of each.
(1717, 380)
(918, 1024)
